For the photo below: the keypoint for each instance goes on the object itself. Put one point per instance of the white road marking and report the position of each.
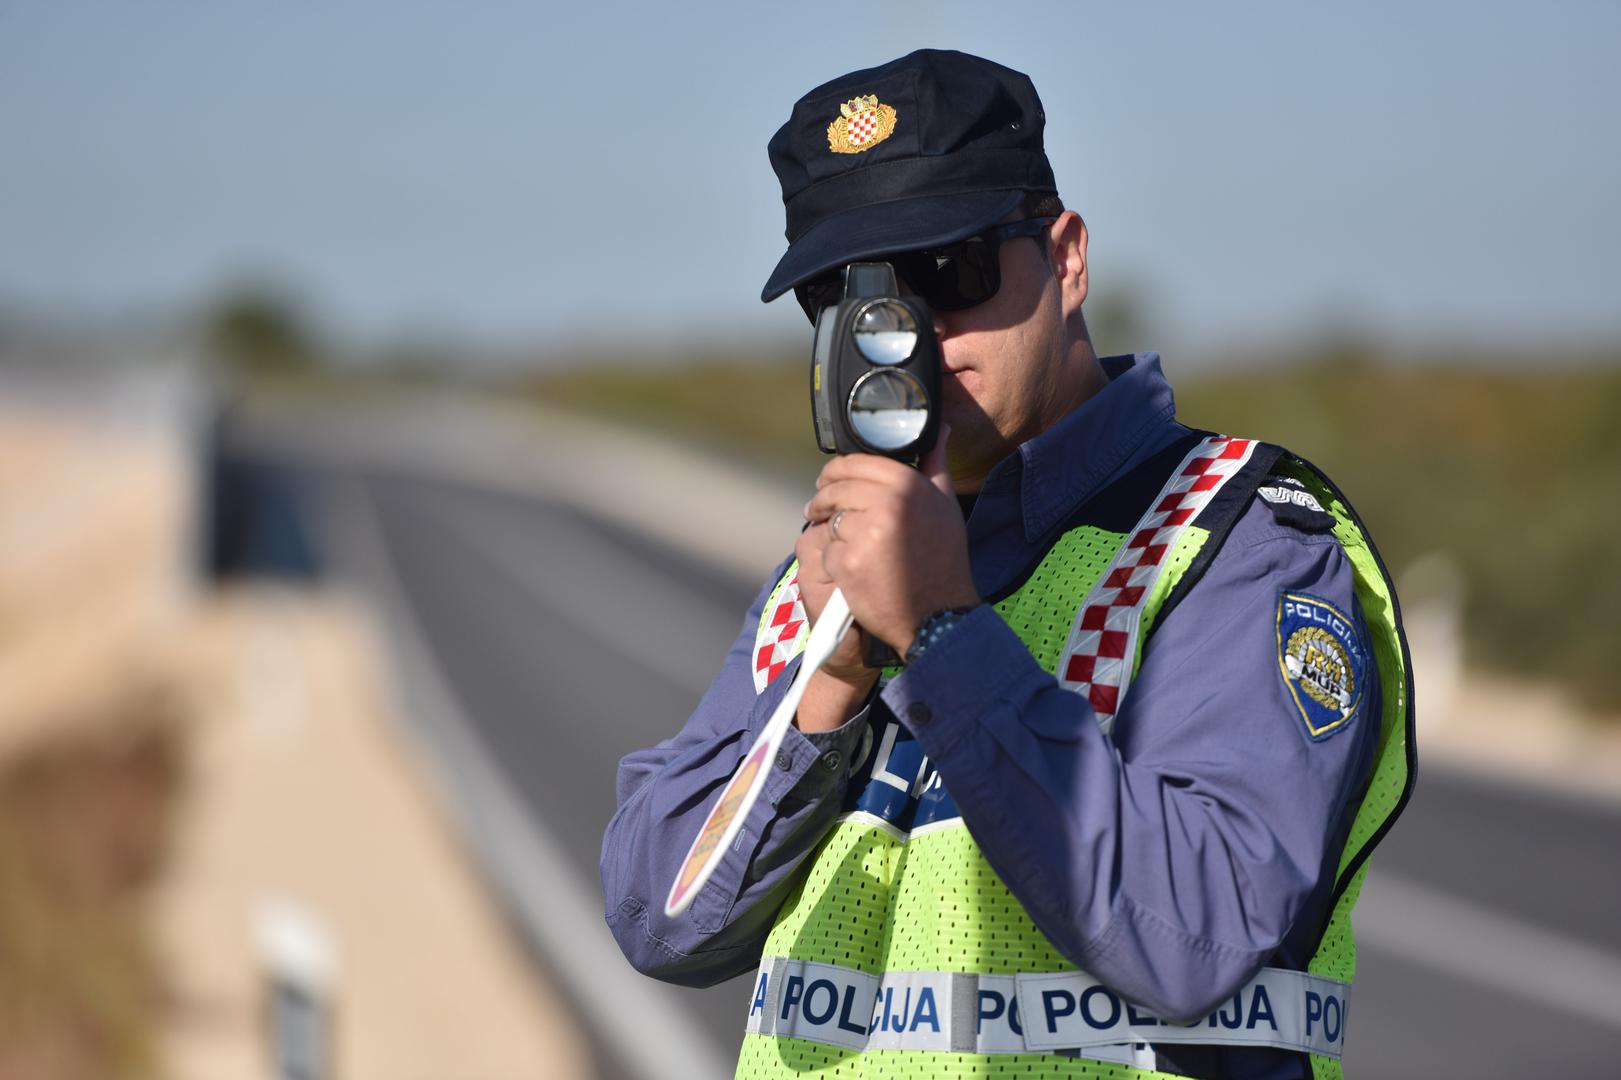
(1426, 926)
(562, 913)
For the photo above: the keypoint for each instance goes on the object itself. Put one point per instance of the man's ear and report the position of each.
(1067, 248)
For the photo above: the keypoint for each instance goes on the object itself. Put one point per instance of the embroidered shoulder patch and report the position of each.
(1321, 658)
(1293, 505)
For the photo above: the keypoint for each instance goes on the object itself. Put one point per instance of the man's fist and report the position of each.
(900, 551)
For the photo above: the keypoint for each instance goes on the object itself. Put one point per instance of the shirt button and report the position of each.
(784, 761)
(832, 760)
(919, 712)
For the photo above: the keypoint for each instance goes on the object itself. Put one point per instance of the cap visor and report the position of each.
(883, 228)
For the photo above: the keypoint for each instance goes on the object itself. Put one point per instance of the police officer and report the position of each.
(1110, 815)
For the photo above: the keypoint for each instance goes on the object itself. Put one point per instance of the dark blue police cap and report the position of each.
(925, 150)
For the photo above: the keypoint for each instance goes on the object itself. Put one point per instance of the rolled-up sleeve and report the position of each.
(1175, 858)
(666, 792)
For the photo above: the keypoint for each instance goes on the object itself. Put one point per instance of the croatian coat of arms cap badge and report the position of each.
(862, 124)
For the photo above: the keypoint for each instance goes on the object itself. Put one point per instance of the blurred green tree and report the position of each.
(260, 333)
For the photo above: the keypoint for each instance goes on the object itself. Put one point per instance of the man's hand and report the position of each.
(901, 552)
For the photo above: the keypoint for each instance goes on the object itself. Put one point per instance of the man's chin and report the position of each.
(973, 446)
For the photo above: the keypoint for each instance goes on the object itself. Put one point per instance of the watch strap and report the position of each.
(933, 628)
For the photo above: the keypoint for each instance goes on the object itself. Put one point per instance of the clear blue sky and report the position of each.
(560, 173)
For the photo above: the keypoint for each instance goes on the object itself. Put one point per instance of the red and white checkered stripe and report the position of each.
(782, 633)
(860, 127)
(1097, 658)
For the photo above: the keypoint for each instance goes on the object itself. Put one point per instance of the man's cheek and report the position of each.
(965, 401)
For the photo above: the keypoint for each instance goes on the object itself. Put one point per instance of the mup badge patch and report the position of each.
(1321, 657)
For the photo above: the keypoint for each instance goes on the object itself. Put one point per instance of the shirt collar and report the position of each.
(1070, 461)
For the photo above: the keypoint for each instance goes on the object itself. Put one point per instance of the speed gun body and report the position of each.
(875, 369)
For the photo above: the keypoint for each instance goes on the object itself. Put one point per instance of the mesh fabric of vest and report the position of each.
(875, 901)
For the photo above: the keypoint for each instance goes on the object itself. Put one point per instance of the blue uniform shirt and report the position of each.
(1171, 861)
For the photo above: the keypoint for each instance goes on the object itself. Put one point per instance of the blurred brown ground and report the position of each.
(91, 549)
(294, 786)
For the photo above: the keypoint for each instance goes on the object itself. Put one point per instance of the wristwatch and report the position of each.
(933, 628)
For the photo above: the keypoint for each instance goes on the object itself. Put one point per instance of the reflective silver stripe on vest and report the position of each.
(1030, 1013)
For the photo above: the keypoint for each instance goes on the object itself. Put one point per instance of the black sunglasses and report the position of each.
(948, 278)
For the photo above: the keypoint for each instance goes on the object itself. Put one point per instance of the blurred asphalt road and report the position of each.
(1490, 940)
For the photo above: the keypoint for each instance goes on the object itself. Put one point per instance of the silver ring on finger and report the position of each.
(833, 526)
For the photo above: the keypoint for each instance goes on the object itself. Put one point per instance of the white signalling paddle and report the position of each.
(738, 797)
